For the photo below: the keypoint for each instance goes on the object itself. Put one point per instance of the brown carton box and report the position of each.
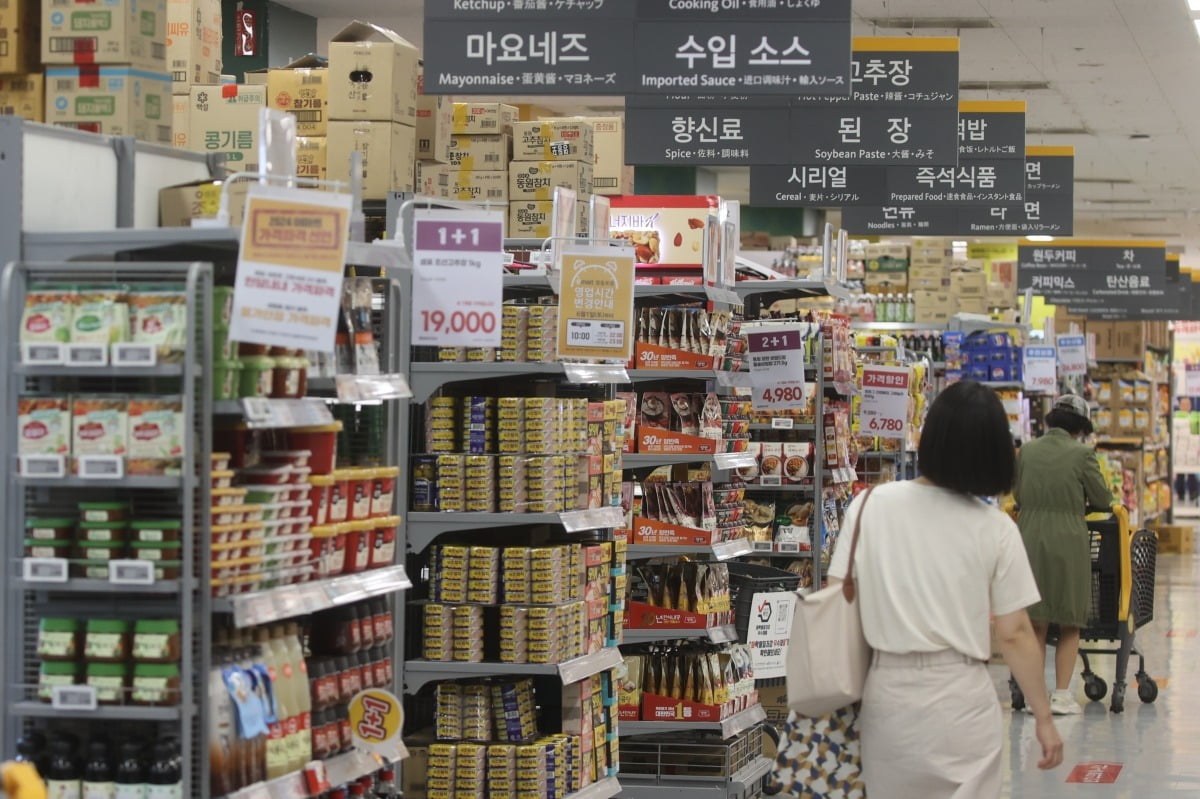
(181, 124)
(933, 307)
(568, 139)
(536, 180)
(312, 157)
(24, 96)
(392, 63)
(302, 89)
(482, 152)
(530, 219)
(473, 118)
(193, 43)
(435, 120)
(389, 153)
(20, 37)
(471, 185)
(179, 205)
(125, 32)
(968, 283)
(609, 173)
(225, 119)
(118, 101)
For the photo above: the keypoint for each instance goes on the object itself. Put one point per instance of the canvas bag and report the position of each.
(828, 655)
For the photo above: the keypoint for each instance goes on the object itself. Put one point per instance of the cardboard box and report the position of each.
(1173, 538)
(933, 307)
(968, 283)
(124, 32)
(257, 77)
(193, 43)
(664, 229)
(886, 282)
(435, 121)
(480, 151)
(179, 205)
(117, 101)
(373, 75)
(302, 89)
(20, 37)
(536, 180)
(225, 119)
(609, 174)
(312, 157)
(389, 153)
(568, 139)
(181, 121)
(530, 219)
(24, 96)
(1119, 340)
(442, 180)
(473, 118)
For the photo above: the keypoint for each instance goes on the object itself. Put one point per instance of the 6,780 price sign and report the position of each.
(884, 409)
(458, 281)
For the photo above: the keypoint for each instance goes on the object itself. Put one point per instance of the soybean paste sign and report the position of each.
(1097, 279)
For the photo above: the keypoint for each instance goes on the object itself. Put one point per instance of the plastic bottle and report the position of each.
(98, 782)
(223, 748)
(300, 692)
(164, 777)
(279, 745)
(131, 774)
(910, 309)
(385, 786)
(31, 748)
(63, 774)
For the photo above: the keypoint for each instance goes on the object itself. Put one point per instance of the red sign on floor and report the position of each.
(1095, 773)
(1181, 633)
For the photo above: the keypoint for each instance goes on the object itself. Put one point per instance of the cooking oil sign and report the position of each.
(376, 717)
(595, 304)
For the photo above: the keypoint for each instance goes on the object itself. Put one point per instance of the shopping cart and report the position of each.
(1123, 564)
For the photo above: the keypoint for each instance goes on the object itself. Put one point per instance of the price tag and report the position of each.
(764, 546)
(1041, 370)
(87, 355)
(73, 697)
(134, 355)
(596, 373)
(44, 570)
(100, 467)
(1072, 355)
(1191, 379)
(358, 388)
(777, 368)
(43, 354)
(257, 410)
(885, 401)
(131, 572)
(782, 423)
(458, 278)
(788, 547)
(43, 466)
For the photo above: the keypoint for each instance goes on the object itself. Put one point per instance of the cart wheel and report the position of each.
(1147, 690)
(1118, 698)
(1095, 688)
(1018, 697)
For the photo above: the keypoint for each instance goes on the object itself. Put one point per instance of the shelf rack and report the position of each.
(419, 672)
(729, 727)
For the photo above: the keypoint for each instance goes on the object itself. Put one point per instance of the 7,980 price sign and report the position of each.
(884, 408)
(458, 281)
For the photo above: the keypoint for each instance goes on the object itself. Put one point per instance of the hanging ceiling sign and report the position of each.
(818, 186)
(991, 129)
(900, 71)
(911, 220)
(1097, 279)
(704, 136)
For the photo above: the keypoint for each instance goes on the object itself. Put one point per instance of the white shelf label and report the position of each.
(101, 467)
(44, 466)
(770, 480)
(262, 412)
(131, 572)
(257, 410)
(73, 697)
(734, 460)
(764, 546)
(43, 354)
(593, 519)
(145, 355)
(360, 388)
(589, 373)
(44, 570)
(87, 355)
(781, 423)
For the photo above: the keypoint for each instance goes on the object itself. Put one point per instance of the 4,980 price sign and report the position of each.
(884, 408)
(458, 282)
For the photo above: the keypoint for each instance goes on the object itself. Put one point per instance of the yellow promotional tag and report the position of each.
(376, 717)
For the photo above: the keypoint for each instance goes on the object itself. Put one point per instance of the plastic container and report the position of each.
(222, 313)
(228, 514)
(222, 480)
(112, 532)
(319, 486)
(360, 536)
(361, 488)
(110, 681)
(103, 511)
(288, 377)
(328, 547)
(223, 348)
(299, 476)
(99, 550)
(293, 510)
(383, 542)
(227, 379)
(286, 457)
(220, 461)
(384, 498)
(157, 641)
(267, 494)
(89, 569)
(246, 349)
(52, 673)
(156, 530)
(339, 497)
(49, 528)
(156, 684)
(58, 638)
(107, 640)
(224, 497)
(35, 548)
(321, 441)
(257, 376)
(156, 550)
(265, 476)
(167, 569)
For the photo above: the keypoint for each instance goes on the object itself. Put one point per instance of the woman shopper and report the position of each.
(1058, 479)
(934, 563)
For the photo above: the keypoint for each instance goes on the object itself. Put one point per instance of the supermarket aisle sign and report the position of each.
(458, 278)
(884, 408)
(595, 304)
(1041, 370)
(291, 262)
(1101, 279)
(769, 631)
(1072, 355)
(777, 368)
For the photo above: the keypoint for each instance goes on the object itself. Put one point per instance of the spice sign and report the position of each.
(290, 267)
(1072, 355)
(770, 629)
(884, 409)
(777, 368)
(595, 304)
(1041, 370)
(458, 282)
(375, 720)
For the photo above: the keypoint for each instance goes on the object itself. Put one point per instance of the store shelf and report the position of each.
(723, 551)
(73, 245)
(804, 427)
(755, 488)
(424, 528)
(1120, 441)
(427, 377)
(1000, 385)
(605, 788)
(722, 460)
(289, 601)
(737, 723)
(65, 370)
(727, 296)
(73, 586)
(724, 634)
(43, 710)
(793, 286)
(1121, 360)
(262, 413)
(417, 673)
(896, 326)
(127, 482)
(747, 781)
(647, 375)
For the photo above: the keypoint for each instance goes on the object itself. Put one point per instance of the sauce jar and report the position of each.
(157, 530)
(104, 532)
(319, 488)
(52, 673)
(358, 536)
(58, 638)
(287, 377)
(339, 496)
(107, 640)
(103, 511)
(424, 483)
(37, 548)
(383, 543)
(157, 641)
(109, 680)
(257, 378)
(156, 684)
(360, 493)
(384, 498)
(50, 529)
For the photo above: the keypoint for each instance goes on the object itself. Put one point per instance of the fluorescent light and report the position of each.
(1196, 22)
(1040, 238)
(1194, 5)
(962, 245)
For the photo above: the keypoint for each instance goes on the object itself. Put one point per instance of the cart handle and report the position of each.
(1121, 513)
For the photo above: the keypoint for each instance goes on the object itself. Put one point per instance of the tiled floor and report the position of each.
(1158, 745)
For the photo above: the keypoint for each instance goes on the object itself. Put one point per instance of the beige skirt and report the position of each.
(931, 728)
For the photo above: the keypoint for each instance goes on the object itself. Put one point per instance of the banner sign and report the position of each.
(900, 71)
(699, 136)
(971, 182)
(991, 129)
(601, 47)
(1097, 279)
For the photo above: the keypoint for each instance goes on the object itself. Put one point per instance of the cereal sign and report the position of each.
(595, 304)
(290, 267)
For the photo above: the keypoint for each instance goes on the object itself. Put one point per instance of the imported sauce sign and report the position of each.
(290, 267)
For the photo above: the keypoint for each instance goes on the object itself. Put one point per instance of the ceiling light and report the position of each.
(1194, 5)
(918, 23)
(1004, 85)
(1079, 131)
(1196, 22)
(1103, 180)
(1040, 238)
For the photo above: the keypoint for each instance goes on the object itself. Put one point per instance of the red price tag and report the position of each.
(884, 408)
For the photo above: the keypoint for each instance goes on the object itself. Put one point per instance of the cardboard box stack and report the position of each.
(373, 108)
(225, 119)
(477, 152)
(886, 267)
(22, 86)
(106, 67)
(435, 124)
(193, 44)
(302, 90)
(610, 175)
(547, 154)
(929, 280)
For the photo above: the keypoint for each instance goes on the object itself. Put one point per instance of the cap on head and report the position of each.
(1075, 404)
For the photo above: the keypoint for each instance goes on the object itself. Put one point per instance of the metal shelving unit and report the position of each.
(728, 727)
(424, 528)
(724, 634)
(419, 672)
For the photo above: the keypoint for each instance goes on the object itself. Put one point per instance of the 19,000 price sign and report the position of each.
(458, 278)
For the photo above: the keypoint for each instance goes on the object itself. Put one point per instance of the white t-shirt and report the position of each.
(932, 566)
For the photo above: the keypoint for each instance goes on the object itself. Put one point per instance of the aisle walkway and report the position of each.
(1158, 745)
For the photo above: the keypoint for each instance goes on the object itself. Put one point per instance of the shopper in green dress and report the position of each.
(1058, 482)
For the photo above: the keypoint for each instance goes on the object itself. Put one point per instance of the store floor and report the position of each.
(1157, 746)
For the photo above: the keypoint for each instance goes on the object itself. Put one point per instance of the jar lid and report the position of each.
(388, 521)
(342, 475)
(99, 544)
(60, 667)
(156, 545)
(46, 542)
(261, 362)
(387, 471)
(320, 480)
(121, 525)
(59, 624)
(150, 626)
(332, 427)
(157, 524)
(324, 530)
(359, 525)
(49, 521)
(108, 626)
(104, 506)
(167, 670)
(107, 669)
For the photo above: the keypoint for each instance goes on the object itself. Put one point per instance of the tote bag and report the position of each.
(828, 655)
